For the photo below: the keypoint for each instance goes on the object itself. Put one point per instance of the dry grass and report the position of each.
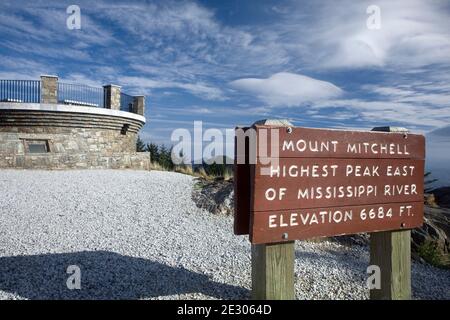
(185, 170)
(203, 174)
(199, 173)
(431, 200)
(228, 174)
(157, 167)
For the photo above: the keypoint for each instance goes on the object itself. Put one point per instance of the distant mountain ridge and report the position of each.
(438, 155)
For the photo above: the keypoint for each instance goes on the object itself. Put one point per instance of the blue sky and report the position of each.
(230, 63)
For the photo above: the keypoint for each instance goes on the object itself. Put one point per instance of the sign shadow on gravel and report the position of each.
(105, 275)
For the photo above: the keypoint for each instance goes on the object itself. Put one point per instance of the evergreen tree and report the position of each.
(140, 145)
(154, 152)
(216, 166)
(165, 157)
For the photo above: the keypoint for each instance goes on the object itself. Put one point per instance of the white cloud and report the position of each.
(185, 45)
(199, 89)
(330, 35)
(387, 112)
(415, 94)
(81, 78)
(288, 89)
(413, 33)
(17, 68)
(212, 111)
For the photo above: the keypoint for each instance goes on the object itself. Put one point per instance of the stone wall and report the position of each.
(74, 140)
(136, 161)
(67, 140)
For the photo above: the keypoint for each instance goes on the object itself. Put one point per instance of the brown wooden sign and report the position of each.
(307, 183)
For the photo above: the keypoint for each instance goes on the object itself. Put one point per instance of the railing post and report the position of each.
(49, 89)
(112, 96)
(391, 252)
(139, 105)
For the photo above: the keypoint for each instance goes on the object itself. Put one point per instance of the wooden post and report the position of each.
(273, 264)
(391, 251)
(273, 271)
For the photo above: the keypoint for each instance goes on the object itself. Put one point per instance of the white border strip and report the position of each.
(70, 108)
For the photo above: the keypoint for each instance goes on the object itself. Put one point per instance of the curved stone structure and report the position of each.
(57, 136)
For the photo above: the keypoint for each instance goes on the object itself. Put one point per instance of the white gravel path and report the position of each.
(138, 235)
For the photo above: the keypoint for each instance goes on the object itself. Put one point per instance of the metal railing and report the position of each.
(28, 91)
(81, 95)
(126, 102)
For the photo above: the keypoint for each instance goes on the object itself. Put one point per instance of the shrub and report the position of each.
(429, 251)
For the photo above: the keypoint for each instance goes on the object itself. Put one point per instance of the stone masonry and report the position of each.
(49, 89)
(67, 140)
(112, 97)
(48, 135)
(70, 147)
(136, 161)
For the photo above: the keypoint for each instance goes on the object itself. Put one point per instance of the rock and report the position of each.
(360, 239)
(436, 228)
(430, 200)
(216, 196)
(442, 196)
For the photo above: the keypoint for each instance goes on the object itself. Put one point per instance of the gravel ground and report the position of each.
(138, 235)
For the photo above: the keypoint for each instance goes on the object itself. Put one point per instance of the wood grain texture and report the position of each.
(323, 173)
(391, 251)
(262, 232)
(273, 271)
(413, 178)
(415, 143)
(401, 265)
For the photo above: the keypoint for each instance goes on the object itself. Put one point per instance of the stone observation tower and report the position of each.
(47, 124)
